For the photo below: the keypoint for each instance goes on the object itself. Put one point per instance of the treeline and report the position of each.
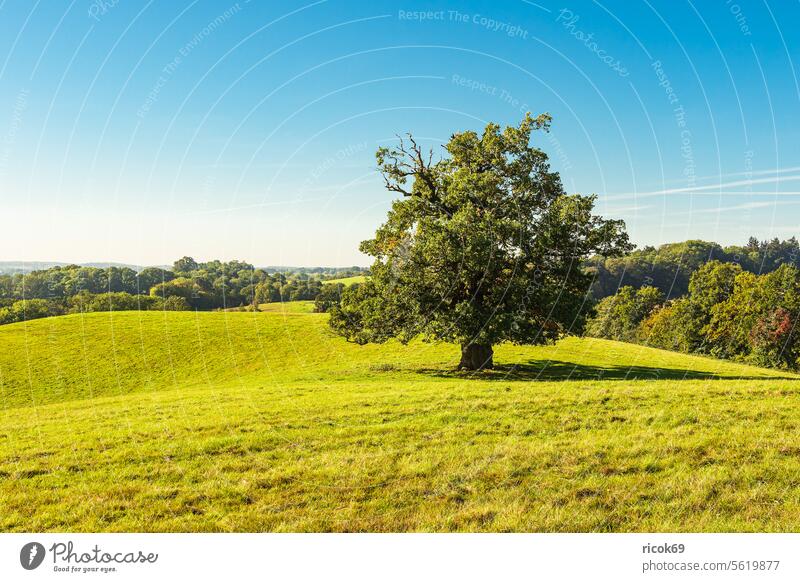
(27, 309)
(728, 312)
(188, 285)
(669, 267)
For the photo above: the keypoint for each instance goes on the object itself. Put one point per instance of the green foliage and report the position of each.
(672, 326)
(618, 317)
(84, 302)
(195, 292)
(728, 313)
(670, 266)
(149, 277)
(483, 247)
(758, 321)
(185, 265)
(62, 282)
(280, 289)
(28, 309)
(329, 296)
(199, 286)
(175, 303)
(713, 283)
(87, 303)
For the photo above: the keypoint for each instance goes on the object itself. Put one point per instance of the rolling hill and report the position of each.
(266, 421)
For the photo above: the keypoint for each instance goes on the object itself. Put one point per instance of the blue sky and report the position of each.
(143, 131)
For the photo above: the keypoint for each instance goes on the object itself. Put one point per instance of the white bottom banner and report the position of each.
(372, 557)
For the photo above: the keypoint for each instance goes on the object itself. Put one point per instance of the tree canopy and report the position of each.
(483, 246)
(670, 266)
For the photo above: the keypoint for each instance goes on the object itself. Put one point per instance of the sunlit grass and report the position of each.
(287, 307)
(266, 421)
(347, 280)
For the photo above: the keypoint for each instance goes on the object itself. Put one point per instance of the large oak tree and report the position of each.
(483, 246)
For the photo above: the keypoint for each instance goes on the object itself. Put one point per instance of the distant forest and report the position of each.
(659, 275)
(669, 267)
(188, 285)
(739, 303)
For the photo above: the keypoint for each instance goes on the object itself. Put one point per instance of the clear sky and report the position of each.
(140, 131)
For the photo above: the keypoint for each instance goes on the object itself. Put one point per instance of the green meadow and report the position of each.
(266, 421)
(347, 280)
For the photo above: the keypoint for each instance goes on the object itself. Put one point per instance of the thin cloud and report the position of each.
(626, 209)
(737, 207)
(709, 187)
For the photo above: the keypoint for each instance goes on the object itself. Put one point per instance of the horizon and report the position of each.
(250, 130)
(168, 264)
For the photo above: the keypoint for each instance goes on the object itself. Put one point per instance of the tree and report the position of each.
(774, 339)
(185, 265)
(189, 289)
(671, 326)
(618, 317)
(483, 246)
(329, 296)
(668, 267)
(149, 277)
(710, 285)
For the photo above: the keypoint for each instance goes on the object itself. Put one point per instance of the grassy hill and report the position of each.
(230, 421)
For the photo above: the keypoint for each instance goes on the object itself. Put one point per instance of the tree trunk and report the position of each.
(476, 357)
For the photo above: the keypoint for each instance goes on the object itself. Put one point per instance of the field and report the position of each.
(347, 280)
(265, 421)
(288, 307)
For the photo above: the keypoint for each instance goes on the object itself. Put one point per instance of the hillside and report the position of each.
(226, 421)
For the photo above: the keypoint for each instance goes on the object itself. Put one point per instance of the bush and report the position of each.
(87, 303)
(28, 309)
(175, 303)
(618, 317)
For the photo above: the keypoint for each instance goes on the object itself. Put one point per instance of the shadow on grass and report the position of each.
(550, 370)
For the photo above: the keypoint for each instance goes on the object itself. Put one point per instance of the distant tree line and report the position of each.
(188, 285)
(727, 312)
(669, 267)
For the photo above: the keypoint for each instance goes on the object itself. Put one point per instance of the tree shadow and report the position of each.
(552, 370)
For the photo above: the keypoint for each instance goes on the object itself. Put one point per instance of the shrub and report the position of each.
(175, 303)
(27, 309)
(618, 317)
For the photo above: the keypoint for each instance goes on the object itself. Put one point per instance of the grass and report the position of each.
(288, 307)
(265, 421)
(347, 280)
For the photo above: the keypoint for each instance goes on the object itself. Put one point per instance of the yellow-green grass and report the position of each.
(347, 280)
(259, 421)
(287, 307)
